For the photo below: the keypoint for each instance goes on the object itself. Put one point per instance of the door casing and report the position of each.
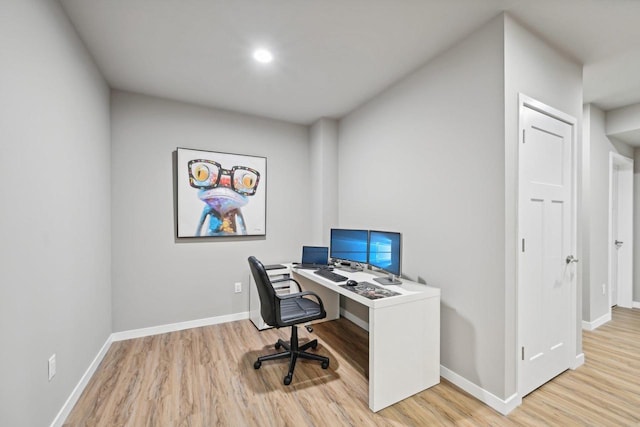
(620, 185)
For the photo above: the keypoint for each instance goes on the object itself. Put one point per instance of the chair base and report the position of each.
(293, 351)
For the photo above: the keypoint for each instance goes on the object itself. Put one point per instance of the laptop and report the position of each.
(314, 257)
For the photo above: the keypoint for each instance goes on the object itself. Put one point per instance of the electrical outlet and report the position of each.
(604, 289)
(52, 366)
(238, 287)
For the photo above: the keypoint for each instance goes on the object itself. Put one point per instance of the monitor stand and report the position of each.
(354, 267)
(389, 280)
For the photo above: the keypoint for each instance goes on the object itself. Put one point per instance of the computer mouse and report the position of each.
(351, 283)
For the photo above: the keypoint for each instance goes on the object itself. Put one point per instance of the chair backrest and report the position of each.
(265, 290)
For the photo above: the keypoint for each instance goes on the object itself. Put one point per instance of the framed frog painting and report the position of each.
(220, 194)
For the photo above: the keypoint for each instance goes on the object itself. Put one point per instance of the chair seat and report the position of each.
(296, 309)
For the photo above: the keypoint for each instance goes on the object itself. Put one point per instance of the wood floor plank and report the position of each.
(205, 377)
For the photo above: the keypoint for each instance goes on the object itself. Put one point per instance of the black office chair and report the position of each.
(287, 310)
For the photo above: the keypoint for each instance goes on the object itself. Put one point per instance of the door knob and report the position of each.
(571, 259)
(618, 243)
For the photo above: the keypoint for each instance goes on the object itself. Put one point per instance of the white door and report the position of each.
(546, 273)
(621, 227)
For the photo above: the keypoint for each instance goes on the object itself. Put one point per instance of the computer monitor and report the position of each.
(349, 245)
(384, 253)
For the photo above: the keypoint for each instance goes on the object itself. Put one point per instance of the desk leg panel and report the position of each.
(404, 351)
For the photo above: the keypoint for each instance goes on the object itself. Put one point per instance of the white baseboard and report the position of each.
(355, 319)
(578, 362)
(503, 406)
(590, 326)
(180, 326)
(59, 420)
(134, 333)
(636, 304)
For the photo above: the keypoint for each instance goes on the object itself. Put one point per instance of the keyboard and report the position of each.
(328, 274)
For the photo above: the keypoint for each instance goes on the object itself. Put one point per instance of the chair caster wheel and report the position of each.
(278, 345)
(287, 380)
(257, 365)
(315, 345)
(325, 365)
(309, 328)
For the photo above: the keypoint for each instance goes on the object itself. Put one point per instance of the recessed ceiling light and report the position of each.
(263, 56)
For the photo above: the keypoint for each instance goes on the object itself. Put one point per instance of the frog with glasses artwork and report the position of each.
(219, 194)
(224, 192)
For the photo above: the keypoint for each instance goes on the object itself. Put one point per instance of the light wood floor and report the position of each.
(205, 377)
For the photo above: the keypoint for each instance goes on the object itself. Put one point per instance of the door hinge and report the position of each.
(522, 245)
(523, 353)
(523, 138)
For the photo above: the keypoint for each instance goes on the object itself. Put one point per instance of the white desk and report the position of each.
(404, 334)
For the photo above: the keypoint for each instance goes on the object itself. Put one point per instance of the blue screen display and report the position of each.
(384, 251)
(349, 245)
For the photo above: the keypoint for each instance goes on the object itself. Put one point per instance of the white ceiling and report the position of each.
(333, 55)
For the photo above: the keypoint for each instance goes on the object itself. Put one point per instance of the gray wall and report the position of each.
(426, 158)
(596, 266)
(539, 71)
(435, 157)
(160, 280)
(323, 165)
(55, 219)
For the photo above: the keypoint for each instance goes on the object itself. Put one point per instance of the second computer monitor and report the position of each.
(384, 253)
(349, 245)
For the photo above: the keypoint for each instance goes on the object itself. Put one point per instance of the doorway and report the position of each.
(620, 231)
(547, 244)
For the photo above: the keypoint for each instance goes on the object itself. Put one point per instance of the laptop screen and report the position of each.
(315, 255)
